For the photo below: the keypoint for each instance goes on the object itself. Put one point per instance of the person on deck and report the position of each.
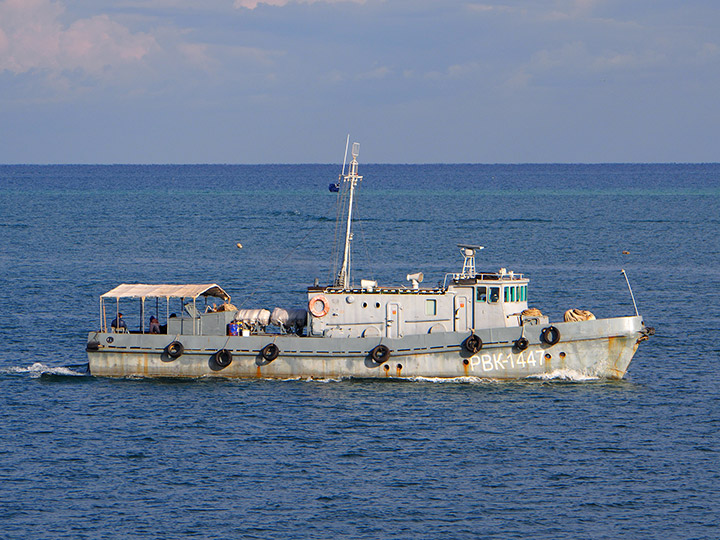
(154, 325)
(118, 323)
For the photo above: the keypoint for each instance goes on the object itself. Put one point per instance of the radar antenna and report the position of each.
(468, 251)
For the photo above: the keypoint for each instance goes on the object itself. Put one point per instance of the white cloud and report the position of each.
(519, 79)
(572, 9)
(33, 38)
(574, 63)
(496, 8)
(339, 77)
(252, 4)
(455, 71)
(376, 73)
(542, 10)
(709, 51)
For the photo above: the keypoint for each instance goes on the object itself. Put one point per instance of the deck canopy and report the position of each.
(141, 290)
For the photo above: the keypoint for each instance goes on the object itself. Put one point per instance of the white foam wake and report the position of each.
(38, 369)
(454, 380)
(564, 375)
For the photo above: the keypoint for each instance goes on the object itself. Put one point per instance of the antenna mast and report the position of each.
(343, 278)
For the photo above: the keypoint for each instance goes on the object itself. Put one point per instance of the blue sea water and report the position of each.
(561, 458)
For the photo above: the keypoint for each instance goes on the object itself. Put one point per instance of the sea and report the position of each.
(563, 456)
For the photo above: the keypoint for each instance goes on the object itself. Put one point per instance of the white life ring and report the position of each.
(319, 310)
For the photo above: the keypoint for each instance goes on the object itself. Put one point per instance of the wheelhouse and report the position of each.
(464, 301)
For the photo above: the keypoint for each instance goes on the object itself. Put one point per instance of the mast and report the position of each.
(343, 278)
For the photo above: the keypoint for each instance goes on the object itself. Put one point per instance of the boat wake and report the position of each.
(559, 375)
(564, 375)
(38, 369)
(452, 380)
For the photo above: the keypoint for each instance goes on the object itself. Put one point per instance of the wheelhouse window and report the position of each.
(494, 294)
(430, 306)
(481, 294)
(517, 293)
(509, 294)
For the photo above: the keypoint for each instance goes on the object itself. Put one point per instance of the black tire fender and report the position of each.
(175, 349)
(521, 344)
(223, 358)
(270, 352)
(473, 344)
(550, 335)
(380, 354)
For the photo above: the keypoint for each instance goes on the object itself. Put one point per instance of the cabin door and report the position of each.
(461, 313)
(393, 320)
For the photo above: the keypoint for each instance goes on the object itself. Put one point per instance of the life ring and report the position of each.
(473, 344)
(174, 349)
(222, 358)
(270, 352)
(521, 344)
(550, 335)
(319, 310)
(380, 354)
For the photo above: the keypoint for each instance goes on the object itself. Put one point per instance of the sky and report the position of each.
(414, 81)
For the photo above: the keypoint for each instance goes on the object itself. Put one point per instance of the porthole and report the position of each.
(562, 355)
(548, 357)
(377, 305)
(364, 304)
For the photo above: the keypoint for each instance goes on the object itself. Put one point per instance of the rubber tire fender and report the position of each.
(270, 352)
(223, 358)
(380, 354)
(521, 344)
(550, 335)
(175, 349)
(473, 344)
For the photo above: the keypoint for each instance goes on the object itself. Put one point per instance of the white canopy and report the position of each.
(140, 290)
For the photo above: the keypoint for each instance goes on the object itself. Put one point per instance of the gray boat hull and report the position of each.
(599, 348)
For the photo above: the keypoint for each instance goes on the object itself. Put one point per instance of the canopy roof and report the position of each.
(140, 290)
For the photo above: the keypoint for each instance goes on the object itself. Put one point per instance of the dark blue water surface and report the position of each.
(562, 458)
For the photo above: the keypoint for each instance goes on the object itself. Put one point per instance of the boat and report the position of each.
(471, 324)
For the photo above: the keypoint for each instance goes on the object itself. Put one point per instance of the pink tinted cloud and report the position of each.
(33, 38)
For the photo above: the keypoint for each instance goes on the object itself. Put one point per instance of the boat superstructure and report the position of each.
(463, 302)
(471, 324)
